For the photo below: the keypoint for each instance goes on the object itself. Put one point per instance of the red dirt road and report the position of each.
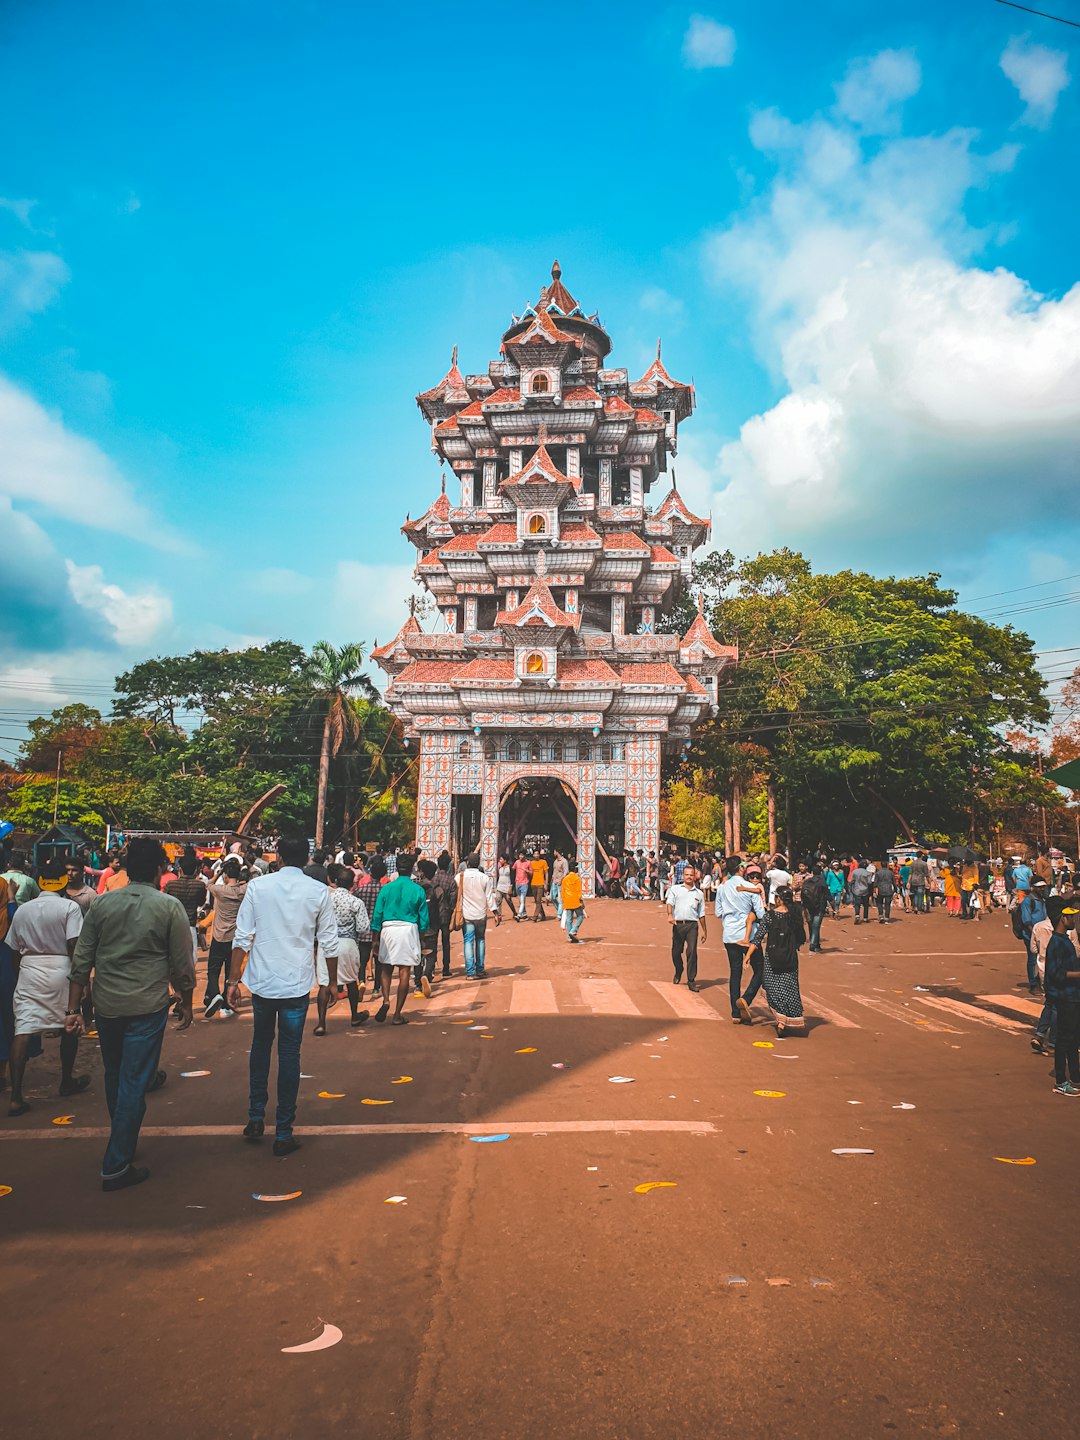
(526, 1287)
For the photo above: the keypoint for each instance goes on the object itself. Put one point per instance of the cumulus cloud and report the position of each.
(1039, 74)
(29, 281)
(135, 618)
(925, 402)
(875, 87)
(21, 209)
(708, 45)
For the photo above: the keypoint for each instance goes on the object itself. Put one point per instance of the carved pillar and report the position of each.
(637, 486)
(470, 612)
(605, 482)
(467, 484)
(491, 473)
(618, 614)
(586, 853)
(573, 462)
(434, 789)
(449, 615)
(489, 819)
(515, 461)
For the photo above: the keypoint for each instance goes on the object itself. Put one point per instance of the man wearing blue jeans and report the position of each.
(137, 941)
(735, 901)
(477, 903)
(282, 918)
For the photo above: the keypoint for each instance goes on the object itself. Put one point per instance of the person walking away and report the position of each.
(559, 871)
(136, 942)
(777, 875)
(686, 914)
(784, 934)
(919, 883)
(353, 923)
(571, 903)
(663, 877)
(282, 918)
(401, 916)
(42, 937)
(522, 879)
(1063, 984)
(189, 888)
(1032, 909)
(861, 883)
(424, 874)
(884, 889)
(969, 883)
(227, 895)
(1046, 1025)
(815, 900)
(736, 903)
(367, 888)
(904, 878)
(477, 903)
(445, 887)
(986, 899)
(834, 879)
(538, 880)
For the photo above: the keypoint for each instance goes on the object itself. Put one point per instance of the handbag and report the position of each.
(456, 922)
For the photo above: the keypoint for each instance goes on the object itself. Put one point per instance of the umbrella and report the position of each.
(965, 853)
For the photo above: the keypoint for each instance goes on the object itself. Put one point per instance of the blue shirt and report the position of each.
(1032, 910)
(1021, 877)
(1060, 958)
(680, 866)
(734, 905)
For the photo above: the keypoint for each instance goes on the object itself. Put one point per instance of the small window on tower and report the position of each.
(540, 384)
(537, 525)
(534, 665)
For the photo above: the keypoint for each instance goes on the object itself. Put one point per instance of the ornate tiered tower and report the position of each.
(541, 706)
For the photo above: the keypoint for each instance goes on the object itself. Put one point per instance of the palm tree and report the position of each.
(333, 672)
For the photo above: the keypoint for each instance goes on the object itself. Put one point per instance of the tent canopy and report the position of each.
(1067, 775)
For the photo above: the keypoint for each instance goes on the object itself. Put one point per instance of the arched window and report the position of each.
(540, 384)
(464, 750)
(537, 525)
(534, 665)
(557, 750)
(513, 751)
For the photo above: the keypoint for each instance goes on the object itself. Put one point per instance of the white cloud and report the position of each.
(369, 600)
(29, 281)
(1039, 74)
(924, 401)
(19, 208)
(708, 45)
(875, 87)
(46, 464)
(135, 618)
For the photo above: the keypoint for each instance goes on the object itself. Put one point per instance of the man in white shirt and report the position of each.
(686, 913)
(477, 903)
(735, 901)
(43, 935)
(777, 876)
(281, 919)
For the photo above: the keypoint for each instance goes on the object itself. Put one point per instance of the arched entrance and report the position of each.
(537, 812)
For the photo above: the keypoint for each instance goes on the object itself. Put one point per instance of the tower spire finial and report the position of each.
(658, 347)
(701, 602)
(453, 358)
(442, 477)
(556, 270)
(674, 481)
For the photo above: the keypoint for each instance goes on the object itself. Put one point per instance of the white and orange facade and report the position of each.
(550, 574)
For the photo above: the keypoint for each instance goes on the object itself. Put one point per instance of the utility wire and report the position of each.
(1043, 14)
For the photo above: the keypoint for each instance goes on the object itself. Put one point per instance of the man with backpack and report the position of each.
(816, 900)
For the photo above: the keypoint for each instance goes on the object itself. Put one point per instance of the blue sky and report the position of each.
(236, 238)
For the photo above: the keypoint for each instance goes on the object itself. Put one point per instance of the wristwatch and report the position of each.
(72, 1012)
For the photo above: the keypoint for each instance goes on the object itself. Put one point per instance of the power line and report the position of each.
(1043, 14)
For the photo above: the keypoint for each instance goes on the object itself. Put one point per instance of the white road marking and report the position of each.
(1020, 1003)
(897, 1012)
(685, 1003)
(833, 1016)
(512, 1127)
(607, 997)
(533, 997)
(972, 1012)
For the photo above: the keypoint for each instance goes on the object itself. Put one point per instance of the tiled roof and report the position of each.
(695, 687)
(452, 380)
(662, 555)
(476, 408)
(595, 670)
(580, 392)
(618, 404)
(656, 377)
(673, 502)
(700, 634)
(557, 294)
(500, 397)
(485, 670)
(543, 462)
(411, 627)
(662, 674)
(450, 423)
(538, 598)
(576, 531)
(430, 561)
(427, 672)
(623, 540)
(648, 417)
(542, 321)
(461, 542)
(504, 533)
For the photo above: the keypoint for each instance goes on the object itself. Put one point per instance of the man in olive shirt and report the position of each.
(136, 940)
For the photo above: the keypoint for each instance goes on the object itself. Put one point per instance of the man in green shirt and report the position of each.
(137, 941)
(23, 885)
(401, 914)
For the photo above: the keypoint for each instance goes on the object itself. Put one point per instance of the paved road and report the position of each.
(525, 1286)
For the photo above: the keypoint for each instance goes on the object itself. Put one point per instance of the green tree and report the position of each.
(334, 673)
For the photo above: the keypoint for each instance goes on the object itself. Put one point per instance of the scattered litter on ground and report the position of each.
(1027, 1160)
(648, 1185)
(330, 1095)
(487, 1139)
(395, 1200)
(771, 1094)
(904, 1105)
(376, 1102)
(820, 1284)
(63, 1119)
(776, 1280)
(854, 1102)
(402, 1080)
(4, 1190)
(620, 1080)
(330, 1336)
(778, 1056)
(526, 1050)
(924, 988)
(763, 1044)
(592, 1167)
(306, 1077)
(559, 1065)
(849, 1151)
(736, 1279)
(194, 1207)
(273, 1199)
(192, 1074)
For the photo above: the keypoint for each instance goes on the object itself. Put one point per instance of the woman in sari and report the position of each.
(952, 890)
(784, 934)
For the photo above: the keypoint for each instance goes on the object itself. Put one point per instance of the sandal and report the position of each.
(360, 1019)
(76, 1085)
(399, 1020)
(20, 1109)
(319, 1030)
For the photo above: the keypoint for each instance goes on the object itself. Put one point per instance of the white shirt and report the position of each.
(477, 901)
(280, 919)
(685, 903)
(776, 878)
(44, 926)
(734, 905)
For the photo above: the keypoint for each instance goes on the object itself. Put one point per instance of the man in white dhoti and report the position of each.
(401, 914)
(42, 937)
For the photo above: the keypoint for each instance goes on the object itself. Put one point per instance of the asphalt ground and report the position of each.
(525, 1286)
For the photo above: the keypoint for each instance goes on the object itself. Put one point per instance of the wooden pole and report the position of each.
(736, 817)
(56, 792)
(774, 844)
(729, 843)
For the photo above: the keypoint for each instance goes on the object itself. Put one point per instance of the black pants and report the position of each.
(444, 936)
(216, 961)
(736, 955)
(884, 906)
(965, 904)
(1068, 1039)
(862, 906)
(684, 934)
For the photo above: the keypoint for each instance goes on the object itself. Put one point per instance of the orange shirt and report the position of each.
(539, 872)
(571, 891)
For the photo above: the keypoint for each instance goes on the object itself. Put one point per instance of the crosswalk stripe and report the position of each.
(685, 1003)
(972, 1012)
(833, 1016)
(1021, 1004)
(607, 997)
(897, 1012)
(533, 997)
(452, 997)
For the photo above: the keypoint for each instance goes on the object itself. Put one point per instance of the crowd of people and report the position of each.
(116, 948)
